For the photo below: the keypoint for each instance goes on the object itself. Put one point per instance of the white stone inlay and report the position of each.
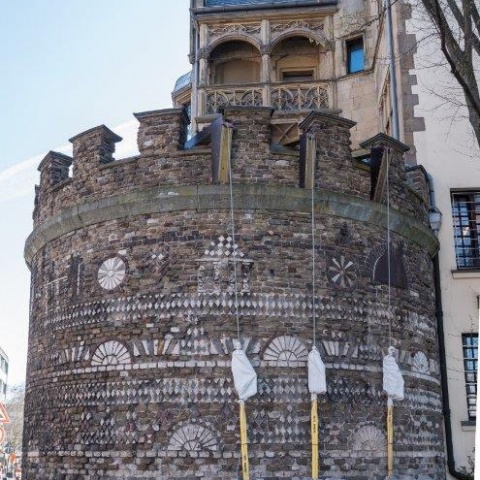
(111, 353)
(111, 273)
(193, 438)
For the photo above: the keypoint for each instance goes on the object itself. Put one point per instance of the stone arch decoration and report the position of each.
(236, 37)
(111, 273)
(420, 363)
(193, 437)
(313, 31)
(369, 440)
(377, 263)
(111, 353)
(285, 350)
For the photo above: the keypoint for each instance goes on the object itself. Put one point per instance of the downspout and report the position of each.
(442, 353)
(443, 375)
(195, 72)
(393, 73)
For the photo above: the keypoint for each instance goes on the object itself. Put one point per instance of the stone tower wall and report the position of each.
(133, 310)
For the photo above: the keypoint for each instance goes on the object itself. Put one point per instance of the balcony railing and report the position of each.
(218, 97)
(281, 96)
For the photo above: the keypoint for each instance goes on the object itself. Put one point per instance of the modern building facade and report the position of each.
(286, 216)
(447, 149)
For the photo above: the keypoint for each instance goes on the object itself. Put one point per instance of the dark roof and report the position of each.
(182, 81)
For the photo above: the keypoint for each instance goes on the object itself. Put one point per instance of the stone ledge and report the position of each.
(473, 273)
(216, 197)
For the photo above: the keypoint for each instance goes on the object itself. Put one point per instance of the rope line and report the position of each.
(389, 268)
(237, 316)
(314, 320)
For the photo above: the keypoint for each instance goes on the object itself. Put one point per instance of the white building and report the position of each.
(448, 151)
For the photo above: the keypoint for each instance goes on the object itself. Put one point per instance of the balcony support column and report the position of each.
(265, 79)
(203, 73)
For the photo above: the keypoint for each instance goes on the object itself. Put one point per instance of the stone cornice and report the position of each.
(216, 197)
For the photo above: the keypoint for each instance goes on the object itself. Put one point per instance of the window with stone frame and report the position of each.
(466, 228)
(470, 362)
(355, 55)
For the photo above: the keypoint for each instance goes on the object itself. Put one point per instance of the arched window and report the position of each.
(296, 59)
(234, 62)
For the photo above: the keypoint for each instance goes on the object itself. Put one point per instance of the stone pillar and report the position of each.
(203, 71)
(162, 131)
(334, 163)
(265, 79)
(92, 148)
(53, 169)
(203, 36)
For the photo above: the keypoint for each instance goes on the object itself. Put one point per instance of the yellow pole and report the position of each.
(244, 442)
(314, 433)
(390, 437)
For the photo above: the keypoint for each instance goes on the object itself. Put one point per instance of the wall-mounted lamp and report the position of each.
(435, 219)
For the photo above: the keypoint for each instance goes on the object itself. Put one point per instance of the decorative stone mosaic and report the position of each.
(284, 350)
(369, 440)
(224, 268)
(420, 363)
(341, 272)
(111, 273)
(193, 437)
(111, 353)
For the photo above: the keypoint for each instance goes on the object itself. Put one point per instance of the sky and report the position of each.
(67, 66)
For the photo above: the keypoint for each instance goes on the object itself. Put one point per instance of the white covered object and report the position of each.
(393, 383)
(317, 382)
(244, 376)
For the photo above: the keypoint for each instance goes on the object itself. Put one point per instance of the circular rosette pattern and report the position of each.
(342, 272)
(111, 273)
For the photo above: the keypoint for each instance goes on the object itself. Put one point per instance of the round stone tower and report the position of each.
(133, 313)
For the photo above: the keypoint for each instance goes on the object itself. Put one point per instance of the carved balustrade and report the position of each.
(282, 96)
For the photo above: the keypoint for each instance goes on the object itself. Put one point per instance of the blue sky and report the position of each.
(69, 65)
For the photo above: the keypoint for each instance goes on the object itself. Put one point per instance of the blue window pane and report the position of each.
(355, 55)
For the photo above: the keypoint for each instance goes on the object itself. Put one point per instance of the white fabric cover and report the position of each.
(244, 376)
(317, 382)
(393, 383)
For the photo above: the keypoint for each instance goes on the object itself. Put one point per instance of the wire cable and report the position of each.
(314, 320)
(234, 254)
(389, 267)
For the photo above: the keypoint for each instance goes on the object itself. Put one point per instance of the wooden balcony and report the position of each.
(285, 96)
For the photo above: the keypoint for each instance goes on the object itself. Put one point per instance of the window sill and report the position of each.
(468, 425)
(473, 273)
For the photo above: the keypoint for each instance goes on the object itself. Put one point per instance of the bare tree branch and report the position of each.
(462, 18)
(462, 63)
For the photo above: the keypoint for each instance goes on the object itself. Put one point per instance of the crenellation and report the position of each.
(54, 168)
(92, 148)
(391, 162)
(334, 161)
(162, 131)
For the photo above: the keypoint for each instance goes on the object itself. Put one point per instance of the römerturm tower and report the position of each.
(283, 218)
